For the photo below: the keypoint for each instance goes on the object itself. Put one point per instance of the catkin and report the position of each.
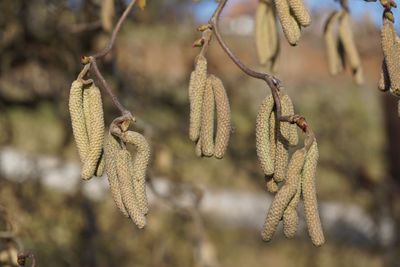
(288, 131)
(290, 216)
(96, 133)
(289, 24)
(196, 92)
(263, 144)
(198, 150)
(300, 12)
(331, 43)
(310, 196)
(111, 148)
(127, 188)
(224, 128)
(384, 80)
(391, 52)
(272, 136)
(207, 120)
(140, 164)
(284, 195)
(271, 185)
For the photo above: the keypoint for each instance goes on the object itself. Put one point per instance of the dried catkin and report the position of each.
(224, 128)
(284, 195)
(263, 144)
(111, 148)
(78, 119)
(300, 12)
(96, 133)
(196, 92)
(288, 131)
(140, 164)
(331, 42)
(347, 39)
(391, 52)
(290, 27)
(207, 120)
(384, 80)
(310, 196)
(127, 187)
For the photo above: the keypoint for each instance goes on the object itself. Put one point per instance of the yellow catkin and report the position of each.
(290, 216)
(284, 195)
(271, 185)
(140, 164)
(288, 131)
(224, 128)
(300, 12)
(196, 92)
(127, 188)
(384, 80)
(111, 148)
(107, 14)
(331, 44)
(78, 119)
(310, 196)
(263, 144)
(391, 52)
(347, 39)
(96, 133)
(289, 24)
(207, 120)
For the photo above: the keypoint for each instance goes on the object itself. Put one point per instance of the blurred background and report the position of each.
(204, 212)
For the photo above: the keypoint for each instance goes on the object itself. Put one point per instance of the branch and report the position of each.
(272, 82)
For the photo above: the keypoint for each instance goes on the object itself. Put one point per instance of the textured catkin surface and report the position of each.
(111, 147)
(96, 133)
(310, 196)
(331, 44)
(289, 24)
(391, 52)
(284, 195)
(290, 216)
(223, 132)
(196, 92)
(272, 135)
(288, 131)
(384, 80)
(263, 144)
(126, 184)
(78, 119)
(300, 12)
(198, 151)
(281, 158)
(207, 120)
(271, 185)
(140, 164)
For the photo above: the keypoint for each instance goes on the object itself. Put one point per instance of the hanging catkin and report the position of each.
(331, 42)
(139, 167)
(289, 131)
(111, 148)
(272, 136)
(284, 195)
(310, 196)
(290, 27)
(290, 216)
(263, 144)
(347, 39)
(126, 184)
(96, 140)
(271, 185)
(196, 91)
(300, 12)
(384, 80)
(223, 132)
(207, 120)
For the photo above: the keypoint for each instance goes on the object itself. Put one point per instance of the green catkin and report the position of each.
(331, 43)
(300, 12)
(207, 120)
(111, 148)
(290, 216)
(391, 52)
(310, 196)
(140, 164)
(289, 24)
(196, 92)
(224, 127)
(127, 188)
(284, 195)
(288, 131)
(347, 39)
(78, 119)
(96, 133)
(263, 144)
(384, 80)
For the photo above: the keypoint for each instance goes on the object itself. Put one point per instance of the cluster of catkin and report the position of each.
(273, 139)
(390, 74)
(266, 35)
(340, 44)
(292, 15)
(126, 174)
(207, 96)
